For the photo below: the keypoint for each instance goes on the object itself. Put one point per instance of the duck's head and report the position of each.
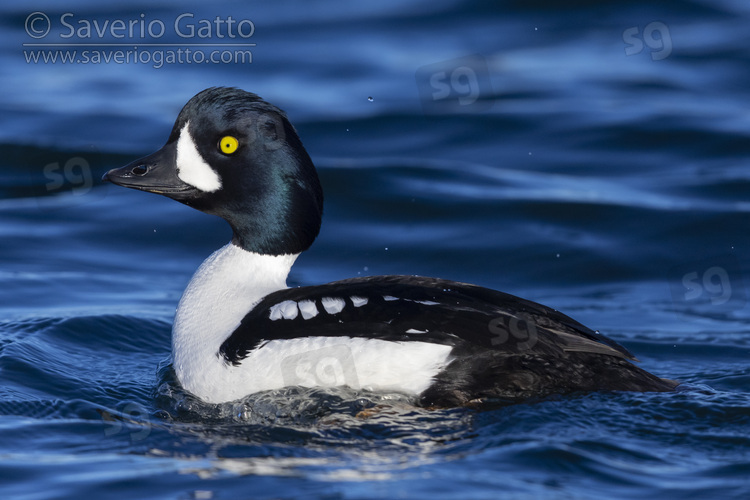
(234, 155)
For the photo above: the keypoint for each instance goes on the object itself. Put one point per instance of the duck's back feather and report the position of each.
(502, 346)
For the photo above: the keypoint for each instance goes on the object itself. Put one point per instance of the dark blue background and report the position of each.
(588, 155)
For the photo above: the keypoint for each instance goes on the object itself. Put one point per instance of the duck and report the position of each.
(239, 330)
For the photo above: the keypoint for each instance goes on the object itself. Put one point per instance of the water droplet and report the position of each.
(370, 99)
(558, 256)
(386, 249)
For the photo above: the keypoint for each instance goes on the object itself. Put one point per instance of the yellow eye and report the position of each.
(228, 144)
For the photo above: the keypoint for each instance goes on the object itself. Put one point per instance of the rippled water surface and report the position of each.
(591, 157)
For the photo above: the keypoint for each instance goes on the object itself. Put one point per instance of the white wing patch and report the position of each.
(333, 305)
(308, 309)
(359, 301)
(427, 302)
(287, 310)
(191, 167)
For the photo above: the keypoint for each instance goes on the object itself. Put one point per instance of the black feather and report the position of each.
(503, 346)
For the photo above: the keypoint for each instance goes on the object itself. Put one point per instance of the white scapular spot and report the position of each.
(359, 301)
(333, 305)
(413, 330)
(427, 302)
(389, 298)
(191, 167)
(286, 310)
(308, 309)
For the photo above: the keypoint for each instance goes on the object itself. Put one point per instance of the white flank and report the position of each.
(372, 364)
(191, 167)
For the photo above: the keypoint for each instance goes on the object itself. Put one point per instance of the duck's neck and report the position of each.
(222, 291)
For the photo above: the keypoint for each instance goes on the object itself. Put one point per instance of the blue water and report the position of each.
(592, 157)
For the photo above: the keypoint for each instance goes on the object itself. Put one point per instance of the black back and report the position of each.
(448, 312)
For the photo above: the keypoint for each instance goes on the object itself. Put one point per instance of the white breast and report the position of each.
(222, 291)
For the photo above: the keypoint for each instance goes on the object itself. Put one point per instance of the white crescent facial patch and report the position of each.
(192, 168)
